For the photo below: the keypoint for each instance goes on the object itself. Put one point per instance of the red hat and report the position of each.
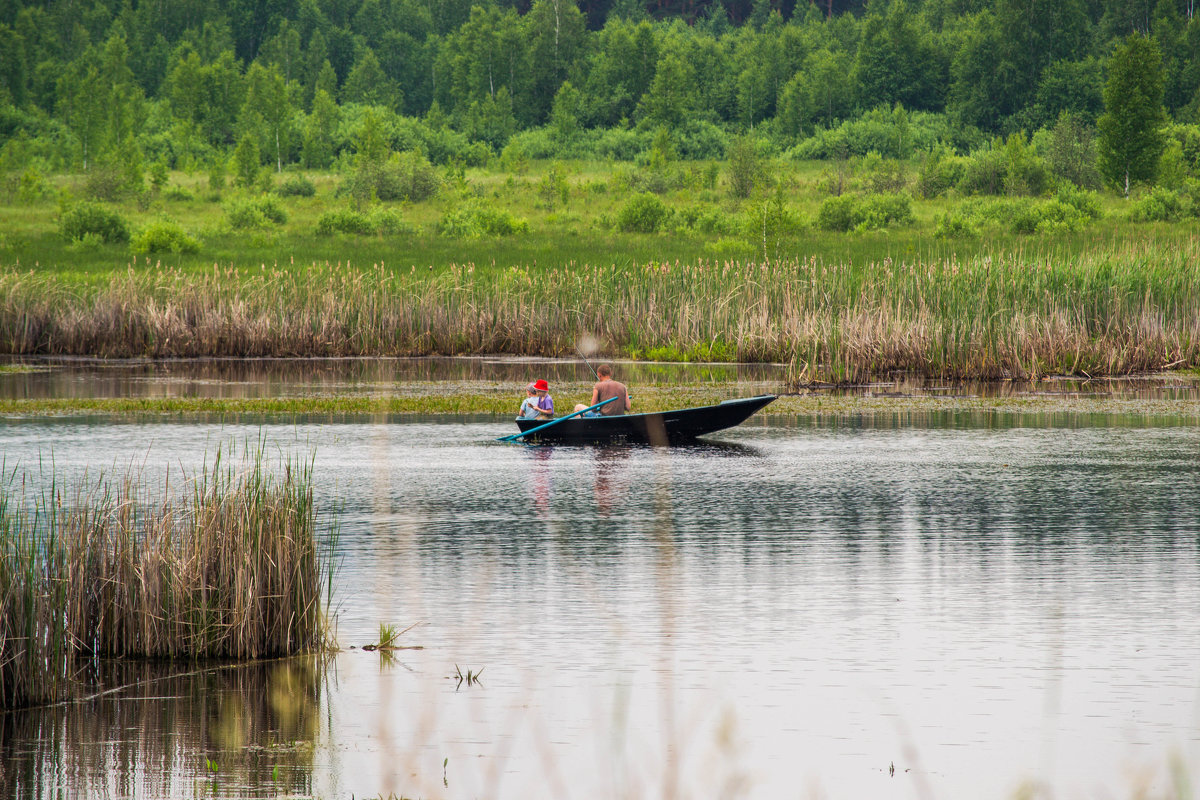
(541, 385)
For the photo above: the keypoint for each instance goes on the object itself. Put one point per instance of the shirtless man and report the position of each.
(605, 389)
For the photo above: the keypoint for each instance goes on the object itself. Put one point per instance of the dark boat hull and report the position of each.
(662, 427)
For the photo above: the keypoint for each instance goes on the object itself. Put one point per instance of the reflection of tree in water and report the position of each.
(248, 729)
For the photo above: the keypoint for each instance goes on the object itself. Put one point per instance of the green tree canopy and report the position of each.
(1131, 137)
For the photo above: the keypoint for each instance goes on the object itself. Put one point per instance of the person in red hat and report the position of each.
(545, 402)
(537, 403)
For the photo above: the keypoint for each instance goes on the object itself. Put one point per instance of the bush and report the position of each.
(1051, 216)
(164, 236)
(297, 186)
(1085, 202)
(620, 144)
(871, 212)
(892, 132)
(706, 219)
(701, 140)
(953, 226)
(473, 220)
(254, 213)
(390, 222)
(1161, 205)
(884, 175)
(984, 173)
(178, 194)
(877, 211)
(745, 170)
(344, 220)
(92, 218)
(404, 176)
(837, 213)
(33, 186)
(1025, 173)
(938, 173)
(107, 182)
(644, 213)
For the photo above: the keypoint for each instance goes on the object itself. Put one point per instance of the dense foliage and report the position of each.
(118, 86)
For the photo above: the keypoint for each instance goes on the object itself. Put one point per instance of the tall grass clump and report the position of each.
(230, 569)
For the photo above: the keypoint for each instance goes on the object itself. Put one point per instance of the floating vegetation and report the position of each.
(389, 636)
(229, 570)
(470, 677)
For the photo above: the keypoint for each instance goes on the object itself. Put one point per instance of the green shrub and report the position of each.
(884, 175)
(705, 219)
(404, 176)
(952, 226)
(1161, 205)
(87, 243)
(1050, 216)
(938, 173)
(159, 175)
(984, 173)
(344, 220)
(870, 212)
(644, 213)
(473, 220)
(164, 236)
(1085, 202)
(178, 194)
(92, 218)
(254, 213)
(296, 186)
(390, 222)
(514, 158)
(837, 213)
(1026, 173)
(106, 182)
(880, 210)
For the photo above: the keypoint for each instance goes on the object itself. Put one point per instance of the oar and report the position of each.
(515, 436)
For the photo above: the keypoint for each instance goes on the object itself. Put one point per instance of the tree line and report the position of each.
(126, 83)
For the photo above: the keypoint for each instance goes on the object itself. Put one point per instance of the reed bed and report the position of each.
(1128, 308)
(230, 569)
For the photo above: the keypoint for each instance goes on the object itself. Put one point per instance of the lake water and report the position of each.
(877, 606)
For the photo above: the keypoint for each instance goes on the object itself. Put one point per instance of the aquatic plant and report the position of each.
(231, 569)
(470, 677)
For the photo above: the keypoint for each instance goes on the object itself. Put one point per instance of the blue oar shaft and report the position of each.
(515, 436)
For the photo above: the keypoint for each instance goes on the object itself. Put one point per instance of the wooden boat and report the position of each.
(660, 427)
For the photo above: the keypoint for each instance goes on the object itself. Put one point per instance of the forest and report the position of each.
(183, 83)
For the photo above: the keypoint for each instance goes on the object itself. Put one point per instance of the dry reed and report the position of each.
(1127, 309)
(231, 570)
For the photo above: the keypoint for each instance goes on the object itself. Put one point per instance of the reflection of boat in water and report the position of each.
(660, 427)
